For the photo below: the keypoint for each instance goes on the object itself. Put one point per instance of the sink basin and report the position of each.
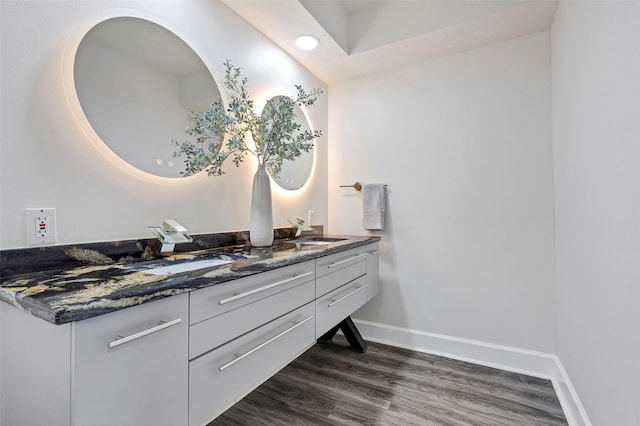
(318, 240)
(186, 266)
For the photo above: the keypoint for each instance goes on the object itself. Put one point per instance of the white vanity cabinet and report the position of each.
(181, 360)
(127, 367)
(373, 270)
(130, 366)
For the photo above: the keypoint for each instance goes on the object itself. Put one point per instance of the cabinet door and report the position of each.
(373, 271)
(131, 366)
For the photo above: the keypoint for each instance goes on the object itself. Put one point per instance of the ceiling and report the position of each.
(359, 37)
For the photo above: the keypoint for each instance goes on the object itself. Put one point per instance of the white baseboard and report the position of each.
(571, 405)
(523, 361)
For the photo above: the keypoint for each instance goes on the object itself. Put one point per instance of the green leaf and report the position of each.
(275, 132)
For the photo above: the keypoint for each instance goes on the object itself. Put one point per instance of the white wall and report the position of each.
(596, 146)
(464, 144)
(47, 159)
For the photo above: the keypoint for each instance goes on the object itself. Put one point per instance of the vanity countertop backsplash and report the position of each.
(68, 283)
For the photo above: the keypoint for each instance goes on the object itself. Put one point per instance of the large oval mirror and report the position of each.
(295, 173)
(137, 82)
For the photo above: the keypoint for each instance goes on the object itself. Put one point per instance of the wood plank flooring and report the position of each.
(335, 385)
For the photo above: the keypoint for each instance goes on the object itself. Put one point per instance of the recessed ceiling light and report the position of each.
(307, 42)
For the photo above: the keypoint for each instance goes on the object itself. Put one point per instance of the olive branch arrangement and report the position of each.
(276, 133)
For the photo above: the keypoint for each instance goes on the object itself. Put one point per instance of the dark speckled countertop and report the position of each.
(61, 284)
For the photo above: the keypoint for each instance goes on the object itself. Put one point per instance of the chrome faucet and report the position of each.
(170, 234)
(299, 223)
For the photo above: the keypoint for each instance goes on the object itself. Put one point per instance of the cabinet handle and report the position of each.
(374, 252)
(340, 262)
(333, 302)
(266, 287)
(161, 326)
(240, 357)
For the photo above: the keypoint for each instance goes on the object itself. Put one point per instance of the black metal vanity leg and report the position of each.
(326, 337)
(352, 334)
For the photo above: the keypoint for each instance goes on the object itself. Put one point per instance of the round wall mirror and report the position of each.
(295, 173)
(137, 83)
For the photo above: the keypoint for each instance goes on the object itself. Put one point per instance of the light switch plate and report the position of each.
(41, 226)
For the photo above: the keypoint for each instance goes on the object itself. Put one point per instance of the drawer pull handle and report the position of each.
(340, 262)
(161, 326)
(333, 302)
(374, 252)
(240, 357)
(266, 287)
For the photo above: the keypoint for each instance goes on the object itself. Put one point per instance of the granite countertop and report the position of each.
(61, 284)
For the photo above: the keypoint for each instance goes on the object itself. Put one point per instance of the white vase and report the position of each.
(261, 218)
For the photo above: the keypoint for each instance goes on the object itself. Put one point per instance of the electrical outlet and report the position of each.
(41, 226)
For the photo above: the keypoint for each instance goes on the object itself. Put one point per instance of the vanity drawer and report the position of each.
(221, 298)
(334, 262)
(220, 378)
(340, 277)
(332, 308)
(216, 331)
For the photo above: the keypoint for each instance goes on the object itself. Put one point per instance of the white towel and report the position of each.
(373, 206)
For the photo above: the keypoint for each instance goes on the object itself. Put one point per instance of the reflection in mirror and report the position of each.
(295, 173)
(137, 82)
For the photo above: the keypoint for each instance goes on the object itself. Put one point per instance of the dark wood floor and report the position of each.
(334, 385)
